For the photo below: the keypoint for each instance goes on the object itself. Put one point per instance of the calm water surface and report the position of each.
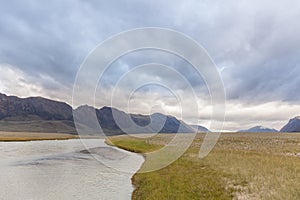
(47, 170)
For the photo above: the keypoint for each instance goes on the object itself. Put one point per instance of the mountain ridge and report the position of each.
(292, 126)
(14, 107)
(55, 115)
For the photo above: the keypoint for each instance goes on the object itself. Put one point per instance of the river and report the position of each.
(64, 169)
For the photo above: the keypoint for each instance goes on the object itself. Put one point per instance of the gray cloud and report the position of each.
(256, 45)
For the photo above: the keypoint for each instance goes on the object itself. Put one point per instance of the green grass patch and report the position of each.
(134, 144)
(183, 179)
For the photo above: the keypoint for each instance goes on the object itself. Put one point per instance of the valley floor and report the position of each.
(241, 166)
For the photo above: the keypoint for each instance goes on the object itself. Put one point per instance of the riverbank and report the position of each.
(29, 136)
(241, 166)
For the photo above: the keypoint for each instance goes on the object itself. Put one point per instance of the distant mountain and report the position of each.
(131, 123)
(199, 128)
(37, 114)
(258, 129)
(292, 126)
(33, 108)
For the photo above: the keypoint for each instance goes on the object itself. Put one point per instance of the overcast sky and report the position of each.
(255, 45)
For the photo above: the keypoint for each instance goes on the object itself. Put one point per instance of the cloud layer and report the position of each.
(256, 46)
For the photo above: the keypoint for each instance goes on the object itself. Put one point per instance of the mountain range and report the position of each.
(37, 114)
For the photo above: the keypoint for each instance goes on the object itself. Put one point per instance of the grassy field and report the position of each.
(28, 136)
(241, 166)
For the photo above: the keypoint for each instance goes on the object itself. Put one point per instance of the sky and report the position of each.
(254, 44)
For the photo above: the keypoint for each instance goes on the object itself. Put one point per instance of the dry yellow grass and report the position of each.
(27, 136)
(241, 166)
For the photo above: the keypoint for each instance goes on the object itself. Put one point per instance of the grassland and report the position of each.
(28, 136)
(241, 166)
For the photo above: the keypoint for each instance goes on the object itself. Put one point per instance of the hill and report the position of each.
(257, 129)
(292, 126)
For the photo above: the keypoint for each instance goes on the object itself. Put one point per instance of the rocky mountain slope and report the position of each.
(292, 126)
(115, 121)
(199, 128)
(37, 108)
(37, 114)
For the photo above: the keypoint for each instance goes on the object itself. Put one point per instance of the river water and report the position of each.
(44, 170)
